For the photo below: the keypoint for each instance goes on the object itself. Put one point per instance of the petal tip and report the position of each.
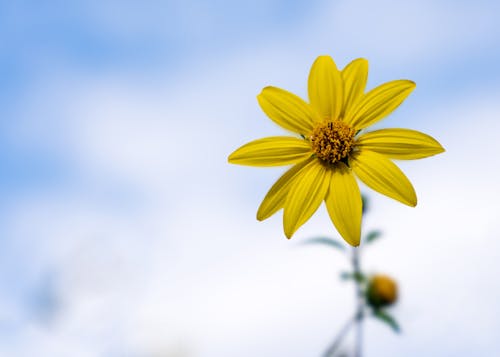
(408, 83)
(411, 84)
(288, 228)
(261, 95)
(266, 88)
(438, 148)
(323, 59)
(362, 60)
(353, 241)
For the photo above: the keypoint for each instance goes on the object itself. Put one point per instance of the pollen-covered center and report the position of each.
(332, 141)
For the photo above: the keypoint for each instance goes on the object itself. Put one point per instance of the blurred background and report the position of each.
(124, 232)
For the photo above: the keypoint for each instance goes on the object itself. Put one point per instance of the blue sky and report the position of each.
(124, 232)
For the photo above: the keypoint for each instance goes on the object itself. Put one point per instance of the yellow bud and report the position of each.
(382, 291)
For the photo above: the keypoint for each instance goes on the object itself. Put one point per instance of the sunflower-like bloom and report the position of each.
(329, 148)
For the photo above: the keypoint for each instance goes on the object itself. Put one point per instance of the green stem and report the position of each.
(360, 303)
(359, 315)
(336, 343)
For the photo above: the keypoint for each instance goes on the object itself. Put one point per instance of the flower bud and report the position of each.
(382, 291)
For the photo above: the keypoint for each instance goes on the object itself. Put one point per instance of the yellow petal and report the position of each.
(276, 196)
(272, 151)
(404, 144)
(383, 176)
(305, 196)
(344, 205)
(354, 76)
(378, 103)
(287, 110)
(326, 88)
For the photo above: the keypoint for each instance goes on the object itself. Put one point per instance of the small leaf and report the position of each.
(346, 275)
(326, 241)
(364, 199)
(373, 235)
(387, 319)
(358, 277)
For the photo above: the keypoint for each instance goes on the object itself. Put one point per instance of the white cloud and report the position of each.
(396, 33)
(199, 269)
(184, 263)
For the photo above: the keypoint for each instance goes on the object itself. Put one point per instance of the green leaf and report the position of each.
(326, 241)
(387, 319)
(347, 275)
(372, 236)
(364, 199)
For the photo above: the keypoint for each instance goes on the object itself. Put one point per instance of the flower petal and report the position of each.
(404, 144)
(326, 88)
(271, 151)
(354, 76)
(383, 176)
(305, 196)
(344, 204)
(276, 196)
(287, 110)
(379, 102)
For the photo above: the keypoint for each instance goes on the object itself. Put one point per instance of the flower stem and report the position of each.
(360, 303)
(359, 314)
(336, 343)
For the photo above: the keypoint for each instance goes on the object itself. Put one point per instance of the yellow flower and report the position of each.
(382, 291)
(329, 147)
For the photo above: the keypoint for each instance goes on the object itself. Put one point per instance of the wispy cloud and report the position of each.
(153, 235)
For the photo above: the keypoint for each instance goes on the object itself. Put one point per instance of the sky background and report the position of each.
(124, 232)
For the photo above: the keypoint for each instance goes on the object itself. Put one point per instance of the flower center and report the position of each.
(332, 141)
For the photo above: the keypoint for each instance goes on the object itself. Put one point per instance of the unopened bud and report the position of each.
(382, 291)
